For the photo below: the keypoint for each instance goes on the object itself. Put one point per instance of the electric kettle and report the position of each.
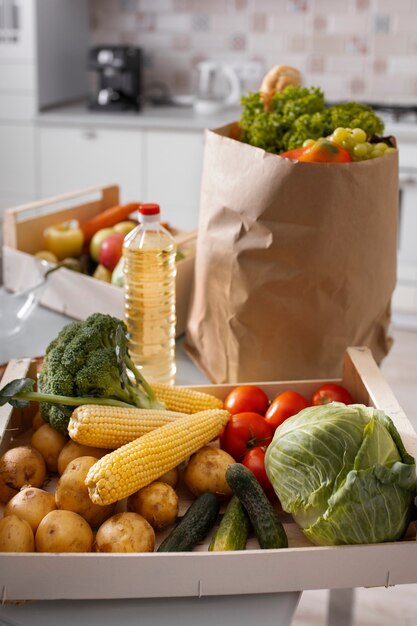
(218, 87)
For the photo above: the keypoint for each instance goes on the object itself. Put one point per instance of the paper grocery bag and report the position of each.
(295, 262)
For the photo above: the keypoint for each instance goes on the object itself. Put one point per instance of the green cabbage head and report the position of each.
(343, 473)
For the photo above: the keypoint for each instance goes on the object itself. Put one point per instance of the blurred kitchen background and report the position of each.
(94, 92)
(362, 49)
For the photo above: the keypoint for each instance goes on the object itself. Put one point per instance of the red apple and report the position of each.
(97, 240)
(111, 250)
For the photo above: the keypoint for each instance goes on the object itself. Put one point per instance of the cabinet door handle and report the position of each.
(90, 134)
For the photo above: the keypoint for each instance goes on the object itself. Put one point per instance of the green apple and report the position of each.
(97, 240)
(125, 227)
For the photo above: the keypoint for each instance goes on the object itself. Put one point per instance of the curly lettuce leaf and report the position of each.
(297, 114)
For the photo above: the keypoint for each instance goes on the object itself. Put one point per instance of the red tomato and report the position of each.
(255, 461)
(246, 398)
(245, 431)
(331, 392)
(283, 406)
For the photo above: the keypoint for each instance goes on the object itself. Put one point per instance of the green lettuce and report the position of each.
(343, 473)
(297, 114)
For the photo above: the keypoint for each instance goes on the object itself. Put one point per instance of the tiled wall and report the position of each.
(361, 49)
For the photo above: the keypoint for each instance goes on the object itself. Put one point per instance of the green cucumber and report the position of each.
(233, 530)
(264, 519)
(194, 526)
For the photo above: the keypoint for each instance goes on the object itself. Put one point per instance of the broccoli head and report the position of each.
(90, 359)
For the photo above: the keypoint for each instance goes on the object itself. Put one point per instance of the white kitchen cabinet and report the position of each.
(73, 158)
(17, 161)
(172, 171)
(162, 166)
(43, 47)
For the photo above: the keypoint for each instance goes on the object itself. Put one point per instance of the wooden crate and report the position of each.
(201, 573)
(73, 294)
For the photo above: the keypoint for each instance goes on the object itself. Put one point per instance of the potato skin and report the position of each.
(171, 477)
(18, 467)
(16, 535)
(31, 504)
(37, 421)
(125, 532)
(63, 531)
(206, 471)
(72, 450)
(49, 442)
(157, 503)
(71, 493)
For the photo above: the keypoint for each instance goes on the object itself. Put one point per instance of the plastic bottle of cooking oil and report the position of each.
(149, 290)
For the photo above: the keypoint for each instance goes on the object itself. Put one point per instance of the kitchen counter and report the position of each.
(403, 131)
(150, 117)
(172, 117)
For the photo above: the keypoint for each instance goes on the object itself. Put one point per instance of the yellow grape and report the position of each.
(358, 135)
(347, 143)
(360, 150)
(380, 146)
(340, 134)
(354, 141)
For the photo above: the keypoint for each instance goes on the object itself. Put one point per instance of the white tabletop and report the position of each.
(44, 325)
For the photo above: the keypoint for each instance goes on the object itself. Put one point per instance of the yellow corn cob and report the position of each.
(111, 427)
(185, 400)
(136, 464)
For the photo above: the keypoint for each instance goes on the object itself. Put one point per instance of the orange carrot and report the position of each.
(107, 218)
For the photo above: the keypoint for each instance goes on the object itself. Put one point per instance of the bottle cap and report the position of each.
(149, 209)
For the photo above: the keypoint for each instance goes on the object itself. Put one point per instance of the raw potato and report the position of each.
(63, 531)
(171, 477)
(16, 535)
(206, 471)
(49, 442)
(37, 421)
(72, 450)
(71, 492)
(31, 504)
(125, 532)
(157, 503)
(18, 467)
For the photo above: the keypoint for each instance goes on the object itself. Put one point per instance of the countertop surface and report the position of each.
(150, 117)
(183, 118)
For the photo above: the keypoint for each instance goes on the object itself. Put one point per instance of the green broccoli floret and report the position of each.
(100, 377)
(90, 359)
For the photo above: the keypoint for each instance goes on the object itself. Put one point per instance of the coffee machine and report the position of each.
(118, 84)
